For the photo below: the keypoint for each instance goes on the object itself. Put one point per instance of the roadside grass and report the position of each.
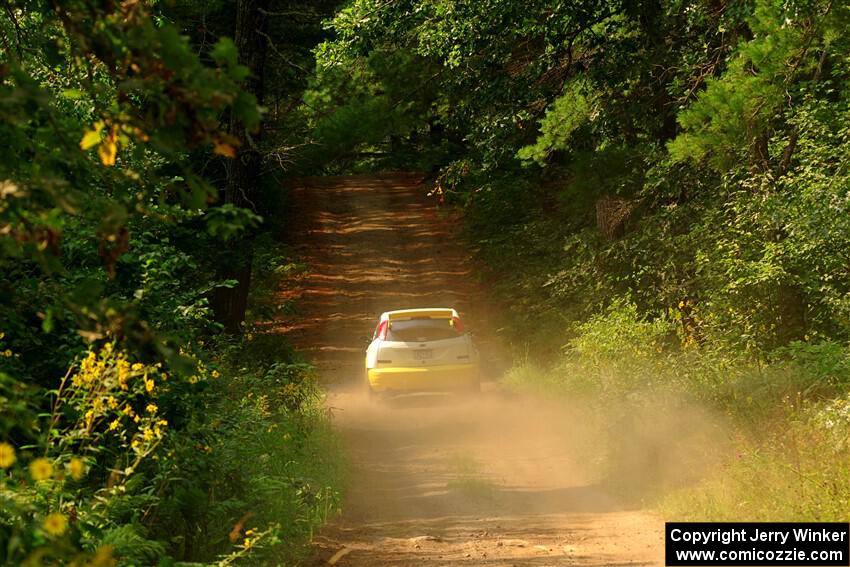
(468, 478)
(799, 476)
(702, 435)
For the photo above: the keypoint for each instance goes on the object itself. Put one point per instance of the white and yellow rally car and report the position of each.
(421, 350)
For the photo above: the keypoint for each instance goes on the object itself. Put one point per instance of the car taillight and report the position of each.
(382, 330)
(457, 324)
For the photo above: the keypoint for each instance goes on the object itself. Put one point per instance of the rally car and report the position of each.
(421, 350)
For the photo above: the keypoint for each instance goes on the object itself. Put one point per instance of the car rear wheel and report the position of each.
(371, 394)
(375, 397)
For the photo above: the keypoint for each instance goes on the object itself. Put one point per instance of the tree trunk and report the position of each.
(243, 172)
(611, 216)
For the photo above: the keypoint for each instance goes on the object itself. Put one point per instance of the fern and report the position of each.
(130, 544)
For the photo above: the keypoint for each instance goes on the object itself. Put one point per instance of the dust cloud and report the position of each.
(511, 476)
(521, 442)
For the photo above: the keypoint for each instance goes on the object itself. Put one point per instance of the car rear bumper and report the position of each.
(428, 379)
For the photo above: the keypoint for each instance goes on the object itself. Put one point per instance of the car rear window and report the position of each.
(417, 330)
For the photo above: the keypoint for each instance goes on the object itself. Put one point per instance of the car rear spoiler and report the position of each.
(432, 313)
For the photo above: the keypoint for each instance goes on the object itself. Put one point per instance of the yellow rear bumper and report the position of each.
(418, 379)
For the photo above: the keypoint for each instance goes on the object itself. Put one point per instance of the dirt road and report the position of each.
(439, 481)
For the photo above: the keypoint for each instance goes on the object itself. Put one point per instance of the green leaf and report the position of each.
(246, 108)
(72, 94)
(47, 323)
(225, 53)
(90, 139)
(228, 221)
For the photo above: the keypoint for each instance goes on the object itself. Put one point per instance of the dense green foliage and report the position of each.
(658, 189)
(132, 430)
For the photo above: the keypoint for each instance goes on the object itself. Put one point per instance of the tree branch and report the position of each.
(17, 26)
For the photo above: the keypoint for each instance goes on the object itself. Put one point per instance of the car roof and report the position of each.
(435, 312)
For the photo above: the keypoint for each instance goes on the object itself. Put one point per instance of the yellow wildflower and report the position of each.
(7, 455)
(123, 370)
(112, 402)
(77, 468)
(87, 371)
(137, 366)
(55, 524)
(249, 532)
(103, 557)
(116, 423)
(151, 408)
(41, 469)
(149, 384)
(249, 543)
(7, 353)
(148, 433)
(216, 374)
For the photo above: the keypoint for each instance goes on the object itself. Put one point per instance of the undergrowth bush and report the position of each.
(134, 464)
(217, 452)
